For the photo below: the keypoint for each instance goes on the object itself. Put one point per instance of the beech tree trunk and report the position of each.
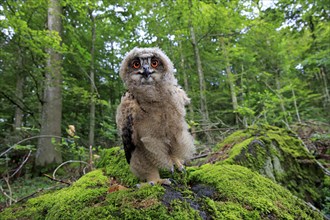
(92, 83)
(20, 80)
(231, 80)
(51, 112)
(203, 104)
(295, 105)
(278, 88)
(186, 88)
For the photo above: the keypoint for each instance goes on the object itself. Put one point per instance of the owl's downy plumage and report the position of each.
(150, 117)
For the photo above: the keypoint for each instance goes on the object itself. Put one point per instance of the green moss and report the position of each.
(181, 210)
(230, 210)
(128, 204)
(237, 150)
(114, 163)
(234, 192)
(232, 139)
(279, 155)
(254, 193)
(326, 193)
(144, 203)
(65, 203)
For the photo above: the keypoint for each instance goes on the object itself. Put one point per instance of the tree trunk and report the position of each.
(186, 88)
(92, 83)
(278, 88)
(231, 80)
(325, 85)
(51, 113)
(203, 104)
(20, 80)
(243, 97)
(295, 105)
(202, 87)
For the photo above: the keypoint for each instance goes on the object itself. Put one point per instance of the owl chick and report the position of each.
(151, 115)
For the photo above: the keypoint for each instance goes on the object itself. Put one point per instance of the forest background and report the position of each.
(241, 62)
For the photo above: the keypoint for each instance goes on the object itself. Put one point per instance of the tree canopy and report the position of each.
(241, 62)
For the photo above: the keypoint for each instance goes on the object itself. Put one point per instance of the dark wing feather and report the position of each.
(127, 132)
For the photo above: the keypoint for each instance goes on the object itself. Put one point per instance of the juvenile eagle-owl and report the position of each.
(150, 117)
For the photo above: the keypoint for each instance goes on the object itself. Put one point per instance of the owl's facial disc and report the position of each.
(146, 68)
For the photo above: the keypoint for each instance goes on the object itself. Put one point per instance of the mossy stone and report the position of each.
(278, 154)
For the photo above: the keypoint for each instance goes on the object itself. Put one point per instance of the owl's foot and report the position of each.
(154, 182)
(178, 164)
(160, 181)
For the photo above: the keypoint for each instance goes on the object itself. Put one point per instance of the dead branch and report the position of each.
(212, 129)
(56, 180)
(32, 194)
(20, 167)
(26, 139)
(8, 196)
(201, 156)
(69, 161)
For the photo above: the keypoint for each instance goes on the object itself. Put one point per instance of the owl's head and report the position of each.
(146, 66)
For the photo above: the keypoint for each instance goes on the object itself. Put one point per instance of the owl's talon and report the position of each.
(173, 181)
(179, 165)
(151, 183)
(166, 182)
(172, 170)
(182, 169)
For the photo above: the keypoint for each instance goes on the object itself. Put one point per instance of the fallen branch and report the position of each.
(32, 194)
(56, 180)
(8, 196)
(26, 139)
(20, 167)
(212, 129)
(69, 161)
(201, 156)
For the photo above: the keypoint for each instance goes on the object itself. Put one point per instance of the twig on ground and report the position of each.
(8, 196)
(69, 161)
(32, 194)
(57, 180)
(201, 156)
(20, 167)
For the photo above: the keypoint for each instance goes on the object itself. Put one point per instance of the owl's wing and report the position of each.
(124, 120)
(182, 95)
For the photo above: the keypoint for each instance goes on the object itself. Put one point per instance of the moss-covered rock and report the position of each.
(65, 203)
(114, 164)
(244, 194)
(277, 154)
(212, 191)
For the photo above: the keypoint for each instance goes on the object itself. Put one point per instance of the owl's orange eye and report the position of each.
(154, 63)
(136, 64)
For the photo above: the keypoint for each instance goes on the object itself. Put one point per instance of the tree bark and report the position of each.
(295, 104)
(51, 113)
(202, 87)
(203, 104)
(20, 80)
(92, 83)
(278, 88)
(325, 85)
(231, 80)
(186, 88)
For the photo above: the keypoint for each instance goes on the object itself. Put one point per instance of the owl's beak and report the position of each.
(146, 72)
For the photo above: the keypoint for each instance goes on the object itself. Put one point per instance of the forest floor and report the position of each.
(315, 137)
